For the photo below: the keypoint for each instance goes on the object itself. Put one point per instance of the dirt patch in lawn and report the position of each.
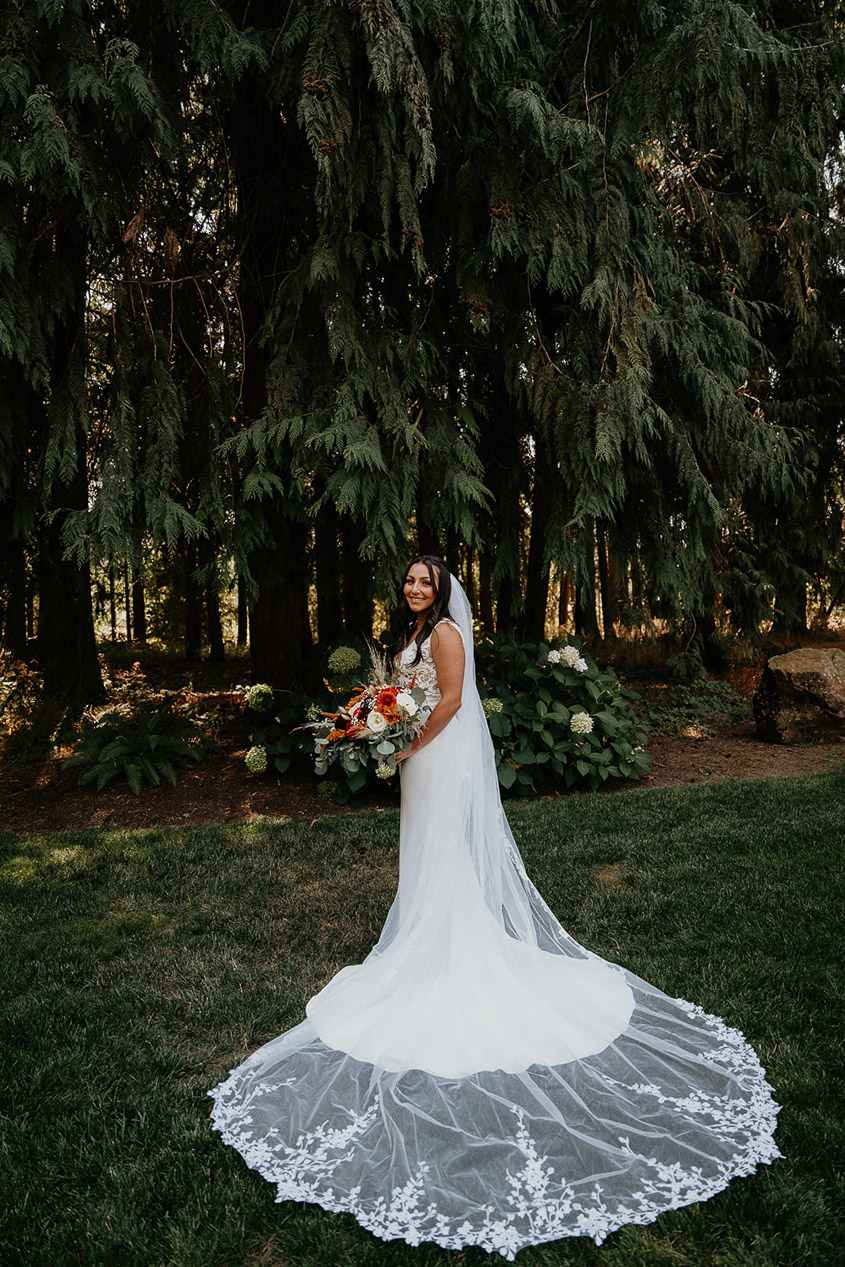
(736, 753)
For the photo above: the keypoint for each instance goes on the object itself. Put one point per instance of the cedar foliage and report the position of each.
(549, 286)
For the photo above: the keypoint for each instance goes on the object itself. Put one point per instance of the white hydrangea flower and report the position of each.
(385, 771)
(406, 701)
(376, 721)
(256, 760)
(554, 656)
(260, 697)
(344, 660)
(581, 723)
(569, 655)
(580, 665)
(491, 706)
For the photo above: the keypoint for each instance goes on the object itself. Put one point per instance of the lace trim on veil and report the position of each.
(534, 1203)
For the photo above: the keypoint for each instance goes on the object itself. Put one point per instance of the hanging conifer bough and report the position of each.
(552, 288)
(520, 276)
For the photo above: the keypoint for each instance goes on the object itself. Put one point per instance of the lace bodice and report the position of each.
(424, 672)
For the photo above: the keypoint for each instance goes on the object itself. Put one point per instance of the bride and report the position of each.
(481, 1078)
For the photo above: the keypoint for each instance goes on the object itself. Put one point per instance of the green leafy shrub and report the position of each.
(702, 706)
(279, 736)
(280, 732)
(149, 743)
(563, 721)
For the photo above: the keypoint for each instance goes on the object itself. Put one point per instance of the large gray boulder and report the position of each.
(801, 697)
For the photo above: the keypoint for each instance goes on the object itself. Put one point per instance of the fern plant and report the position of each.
(151, 744)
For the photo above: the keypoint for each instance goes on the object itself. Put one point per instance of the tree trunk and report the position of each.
(112, 604)
(14, 618)
(216, 646)
(565, 600)
(586, 617)
(469, 582)
(533, 623)
(278, 621)
(485, 593)
(243, 616)
(503, 476)
(357, 582)
(66, 645)
(327, 576)
(193, 603)
(127, 603)
(505, 620)
(453, 551)
(608, 584)
(790, 612)
(280, 632)
(139, 611)
(427, 541)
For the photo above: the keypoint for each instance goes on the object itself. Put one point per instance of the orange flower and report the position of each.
(336, 734)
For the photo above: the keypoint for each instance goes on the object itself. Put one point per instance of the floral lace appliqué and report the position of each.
(533, 1203)
(424, 671)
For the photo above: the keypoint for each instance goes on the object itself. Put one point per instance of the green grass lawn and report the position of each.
(138, 967)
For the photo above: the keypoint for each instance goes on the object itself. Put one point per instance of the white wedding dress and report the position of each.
(481, 1078)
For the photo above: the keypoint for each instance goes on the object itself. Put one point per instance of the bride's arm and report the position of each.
(447, 652)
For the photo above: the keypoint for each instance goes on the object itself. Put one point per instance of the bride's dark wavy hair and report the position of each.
(406, 620)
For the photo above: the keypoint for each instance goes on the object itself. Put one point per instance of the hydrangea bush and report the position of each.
(259, 698)
(556, 718)
(256, 760)
(344, 670)
(276, 741)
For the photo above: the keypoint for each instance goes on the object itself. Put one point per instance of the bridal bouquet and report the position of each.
(381, 719)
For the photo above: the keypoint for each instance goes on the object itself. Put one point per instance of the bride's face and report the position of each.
(420, 593)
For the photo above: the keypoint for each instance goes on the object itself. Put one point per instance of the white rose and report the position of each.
(580, 665)
(554, 657)
(406, 701)
(376, 722)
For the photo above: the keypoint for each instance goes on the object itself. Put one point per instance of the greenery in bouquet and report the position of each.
(556, 718)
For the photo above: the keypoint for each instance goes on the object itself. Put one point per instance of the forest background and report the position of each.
(290, 291)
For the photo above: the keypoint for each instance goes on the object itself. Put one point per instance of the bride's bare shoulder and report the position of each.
(446, 635)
